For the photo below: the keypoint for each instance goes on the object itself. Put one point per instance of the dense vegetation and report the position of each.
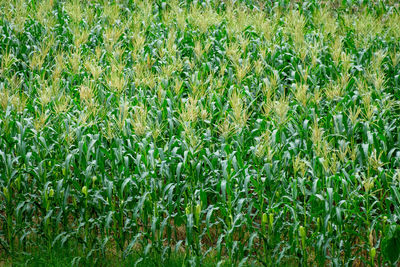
(236, 132)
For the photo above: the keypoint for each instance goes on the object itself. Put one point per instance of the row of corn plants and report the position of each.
(249, 132)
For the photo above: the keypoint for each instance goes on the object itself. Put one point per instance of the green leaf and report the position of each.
(391, 244)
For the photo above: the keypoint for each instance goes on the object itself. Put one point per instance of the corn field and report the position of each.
(251, 133)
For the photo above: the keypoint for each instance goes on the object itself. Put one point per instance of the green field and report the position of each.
(199, 133)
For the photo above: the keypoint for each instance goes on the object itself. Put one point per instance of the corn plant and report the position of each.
(241, 132)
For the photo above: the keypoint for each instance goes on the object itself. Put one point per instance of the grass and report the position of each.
(195, 132)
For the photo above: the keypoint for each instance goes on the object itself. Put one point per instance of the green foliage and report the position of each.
(245, 132)
(391, 244)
